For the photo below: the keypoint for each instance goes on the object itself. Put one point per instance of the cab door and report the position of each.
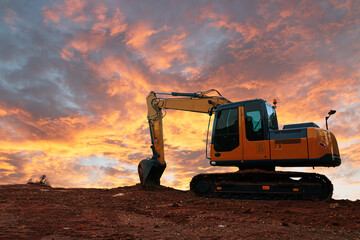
(226, 144)
(255, 137)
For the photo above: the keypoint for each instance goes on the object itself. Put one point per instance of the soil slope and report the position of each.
(38, 212)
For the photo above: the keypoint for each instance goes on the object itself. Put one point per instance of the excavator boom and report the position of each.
(151, 169)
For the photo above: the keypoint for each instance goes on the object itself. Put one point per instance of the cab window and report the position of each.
(272, 119)
(253, 122)
(226, 134)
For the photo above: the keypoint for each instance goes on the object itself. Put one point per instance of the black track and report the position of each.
(258, 184)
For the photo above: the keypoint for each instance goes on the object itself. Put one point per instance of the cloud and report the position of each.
(74, 76)
(11, 17)
(158, 47)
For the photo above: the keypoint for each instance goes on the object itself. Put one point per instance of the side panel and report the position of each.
(289, 144)
(313, 141)
(289, 149)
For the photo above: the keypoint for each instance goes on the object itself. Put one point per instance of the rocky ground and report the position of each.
(35, 211)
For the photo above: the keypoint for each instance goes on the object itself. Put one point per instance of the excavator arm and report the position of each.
(151, 169)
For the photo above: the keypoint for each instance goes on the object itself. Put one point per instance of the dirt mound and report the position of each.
(39, 212)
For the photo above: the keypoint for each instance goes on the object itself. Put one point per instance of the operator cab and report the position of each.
(259, 118)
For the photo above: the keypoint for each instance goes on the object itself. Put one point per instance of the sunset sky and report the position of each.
(74, 76)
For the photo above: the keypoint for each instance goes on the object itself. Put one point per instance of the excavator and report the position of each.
(246, 135)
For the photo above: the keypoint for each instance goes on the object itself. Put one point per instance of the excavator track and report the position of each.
(259, 184)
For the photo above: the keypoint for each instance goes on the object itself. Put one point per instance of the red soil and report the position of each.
(38, 212)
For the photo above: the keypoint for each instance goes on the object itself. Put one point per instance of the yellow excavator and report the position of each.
(245, 134)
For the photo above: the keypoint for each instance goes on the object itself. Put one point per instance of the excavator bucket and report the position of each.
(150, 171)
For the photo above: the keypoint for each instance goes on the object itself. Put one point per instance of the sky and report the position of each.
(74, 76)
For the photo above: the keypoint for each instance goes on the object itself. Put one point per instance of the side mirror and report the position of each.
(331, 112)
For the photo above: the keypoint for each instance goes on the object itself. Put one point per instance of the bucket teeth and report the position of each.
(150, 171)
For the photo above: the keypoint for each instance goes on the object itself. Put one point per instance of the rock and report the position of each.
(118, 195)
(247, 211)
(285, 224)
(334, 205)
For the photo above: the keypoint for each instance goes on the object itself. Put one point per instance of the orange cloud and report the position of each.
(75, 9)
(223, 21)
(115, 24)
(51, 15)
(11, 17)
(170, 50)
(122, 77)
(158, 54)
(139, 34)
(72, 9)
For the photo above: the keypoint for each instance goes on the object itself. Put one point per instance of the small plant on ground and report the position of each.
(42, 181)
